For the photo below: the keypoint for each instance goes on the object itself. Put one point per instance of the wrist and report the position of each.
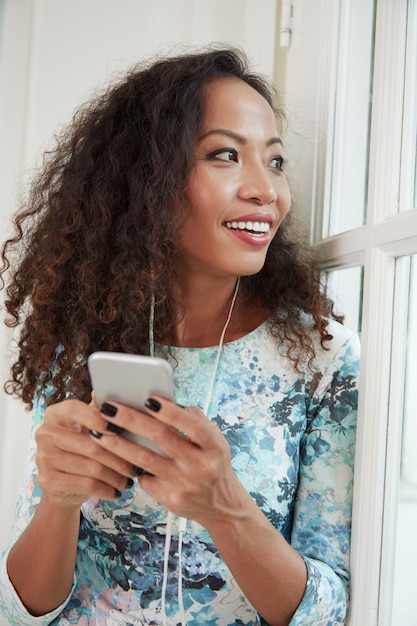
(233, 520)
(59, 508)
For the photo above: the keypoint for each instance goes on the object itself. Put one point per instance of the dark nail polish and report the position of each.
(114, 428)
(129, 483)
(153, 405)
(137, 471)
(96, 434)
(117, 493)
(108, 410)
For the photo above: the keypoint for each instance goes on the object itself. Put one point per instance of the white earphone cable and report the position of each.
(219, 350)
(166, 568)
(182, 521)
(151, 323)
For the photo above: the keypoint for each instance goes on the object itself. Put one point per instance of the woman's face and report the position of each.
(237, 189)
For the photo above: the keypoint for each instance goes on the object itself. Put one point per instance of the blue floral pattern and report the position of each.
(292, 441)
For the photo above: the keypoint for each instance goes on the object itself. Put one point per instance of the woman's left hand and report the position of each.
(195, 479)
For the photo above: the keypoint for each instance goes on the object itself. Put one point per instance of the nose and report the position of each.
(257, 186)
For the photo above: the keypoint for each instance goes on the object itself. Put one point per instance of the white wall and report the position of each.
(53, 53)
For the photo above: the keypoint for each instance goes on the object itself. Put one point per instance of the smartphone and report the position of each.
(130, 379)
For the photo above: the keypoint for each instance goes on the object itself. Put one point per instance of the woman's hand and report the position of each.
(72, 466)
(195, 479)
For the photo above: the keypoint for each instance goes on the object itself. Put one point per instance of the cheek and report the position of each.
(284, 199)
(198, 200)
(210, 192)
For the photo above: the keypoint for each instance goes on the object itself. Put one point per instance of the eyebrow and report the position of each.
(236, 136)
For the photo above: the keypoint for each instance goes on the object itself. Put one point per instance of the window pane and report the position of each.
(405, 574)
(347, 191)
(415, 178)
(344, 287)
(409, 156)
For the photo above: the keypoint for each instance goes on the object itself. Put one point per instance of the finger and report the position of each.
(191, 421)
(141, 458)
(65, 472)
(53, 443)
(86, 466)
(183, 458)
(84, 476)
(76, 488)
(167, 440)
(74, 415)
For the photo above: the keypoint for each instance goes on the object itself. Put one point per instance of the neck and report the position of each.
(206, 310)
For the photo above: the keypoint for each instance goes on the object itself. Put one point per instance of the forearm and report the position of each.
(41, 563)
(269, 571)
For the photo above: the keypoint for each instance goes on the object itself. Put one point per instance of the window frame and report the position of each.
(387, 236)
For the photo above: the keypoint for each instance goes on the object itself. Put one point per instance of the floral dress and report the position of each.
(292, 440)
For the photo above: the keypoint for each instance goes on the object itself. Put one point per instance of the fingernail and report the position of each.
(108, 409)
(137, 471)
(180, 405)
(153, 405)
(96, 434)
(129, 483)
(117, 493)
(114, 428)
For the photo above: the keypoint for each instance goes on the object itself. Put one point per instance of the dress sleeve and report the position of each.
(30, 493)
(323, 508)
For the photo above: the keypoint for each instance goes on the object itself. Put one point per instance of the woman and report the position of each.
(162, 214)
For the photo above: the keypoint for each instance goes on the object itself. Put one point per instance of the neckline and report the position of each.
(231, 343)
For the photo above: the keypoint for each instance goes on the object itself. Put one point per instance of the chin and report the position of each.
(251, 270)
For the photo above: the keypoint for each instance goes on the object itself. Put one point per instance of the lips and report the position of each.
(253, 230)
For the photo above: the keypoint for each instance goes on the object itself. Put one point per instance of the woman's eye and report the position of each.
(225, 154)
(278, 163)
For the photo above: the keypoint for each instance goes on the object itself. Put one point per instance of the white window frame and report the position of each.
(389, 234)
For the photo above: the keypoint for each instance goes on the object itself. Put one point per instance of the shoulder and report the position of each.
(337, 356)
(337, 362)
(341, 339)
(342, 336)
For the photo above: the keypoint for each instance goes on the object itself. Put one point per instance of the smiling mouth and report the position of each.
(256, 228)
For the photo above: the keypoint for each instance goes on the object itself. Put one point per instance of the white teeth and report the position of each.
(257, 227)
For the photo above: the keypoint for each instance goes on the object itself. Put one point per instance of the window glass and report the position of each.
(344, 288)
(409, 156)
(415, 177)
(405, 573)
(347, 157)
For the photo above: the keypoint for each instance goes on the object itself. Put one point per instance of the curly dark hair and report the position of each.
(95, 236)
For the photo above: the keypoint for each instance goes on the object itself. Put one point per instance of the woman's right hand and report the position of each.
(72, 466)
